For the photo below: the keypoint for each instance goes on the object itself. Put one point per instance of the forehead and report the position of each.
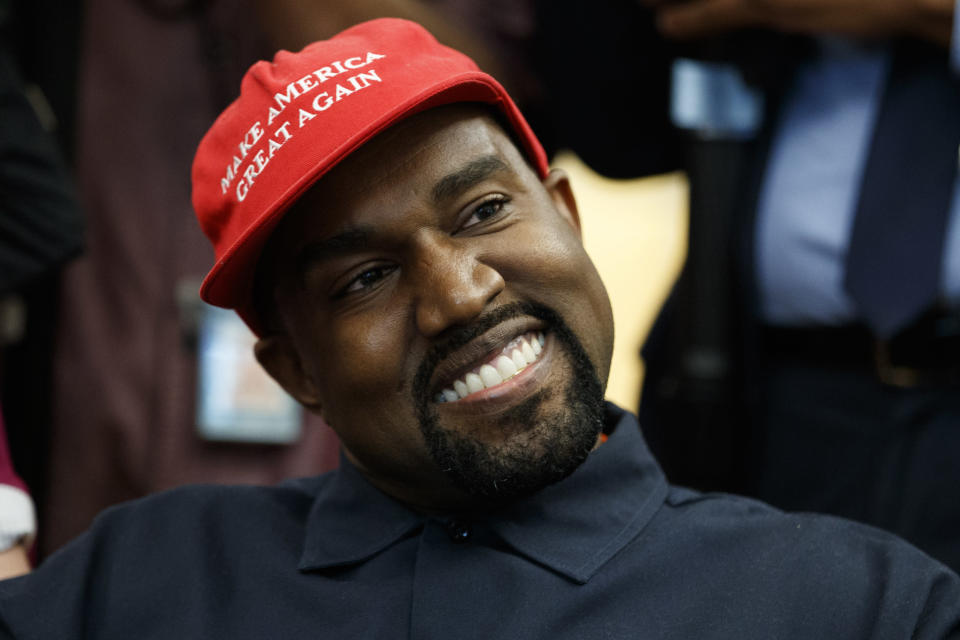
(414, 160)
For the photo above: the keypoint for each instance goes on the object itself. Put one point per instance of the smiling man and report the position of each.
(415, 273)
(441, 315)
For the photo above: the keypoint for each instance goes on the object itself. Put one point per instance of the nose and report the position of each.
(453, 285)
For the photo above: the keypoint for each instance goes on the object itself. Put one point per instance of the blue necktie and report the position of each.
(896, 247)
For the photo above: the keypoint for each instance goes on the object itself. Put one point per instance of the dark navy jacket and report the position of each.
(611, 552)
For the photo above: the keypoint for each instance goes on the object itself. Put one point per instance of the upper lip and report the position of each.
(456, 364)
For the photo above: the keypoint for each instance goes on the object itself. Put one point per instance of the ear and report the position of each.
(278, 355)
(557, 184)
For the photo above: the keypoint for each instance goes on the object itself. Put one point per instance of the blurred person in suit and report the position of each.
(810, 351)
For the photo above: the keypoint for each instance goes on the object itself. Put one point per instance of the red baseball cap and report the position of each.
(300, 115)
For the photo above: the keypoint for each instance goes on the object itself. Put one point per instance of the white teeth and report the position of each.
(528, 353)
(490, 376)
(515, 357)
(506, 367)
(474, 383)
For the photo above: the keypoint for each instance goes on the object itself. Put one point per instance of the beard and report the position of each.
(543, 445)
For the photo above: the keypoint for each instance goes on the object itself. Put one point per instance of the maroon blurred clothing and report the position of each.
(151, 83)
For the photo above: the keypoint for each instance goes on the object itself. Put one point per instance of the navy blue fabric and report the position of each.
(611, 552)
(893, 463)
(896, 247)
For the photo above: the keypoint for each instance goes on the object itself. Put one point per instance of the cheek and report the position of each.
(553, 268)
(550, 258)
(365, 390)
(361, 363)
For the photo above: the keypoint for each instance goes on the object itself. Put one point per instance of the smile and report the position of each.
(516, 356)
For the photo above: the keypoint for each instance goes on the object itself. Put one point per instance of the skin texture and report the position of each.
(432, 269)
(871, 19)
(541, 439)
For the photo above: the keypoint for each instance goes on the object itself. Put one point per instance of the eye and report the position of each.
(365, 279)
(488, 208)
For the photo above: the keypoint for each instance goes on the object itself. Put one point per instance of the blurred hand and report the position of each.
(691, 19)
(14, 562)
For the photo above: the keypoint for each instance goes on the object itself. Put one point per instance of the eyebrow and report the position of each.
(350, 239)
(472, 173)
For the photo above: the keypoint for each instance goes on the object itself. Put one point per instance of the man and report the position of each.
(385, 220)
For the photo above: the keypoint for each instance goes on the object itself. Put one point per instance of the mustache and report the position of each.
(460, 336)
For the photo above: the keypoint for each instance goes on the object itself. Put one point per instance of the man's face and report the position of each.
(440, 313)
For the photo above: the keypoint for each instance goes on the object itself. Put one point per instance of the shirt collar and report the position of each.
(573, 527)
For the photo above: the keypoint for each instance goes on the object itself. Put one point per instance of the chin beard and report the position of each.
(549, 444)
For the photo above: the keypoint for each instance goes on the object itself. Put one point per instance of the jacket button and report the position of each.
(458, 530)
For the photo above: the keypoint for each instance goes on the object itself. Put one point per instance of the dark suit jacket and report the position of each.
(607, 75)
